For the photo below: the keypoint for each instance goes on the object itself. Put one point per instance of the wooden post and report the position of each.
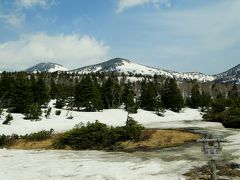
(212, 149)
(213, 170)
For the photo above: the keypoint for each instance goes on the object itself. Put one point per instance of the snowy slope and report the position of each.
(46, 67)
(229, 76)
(126, 66)
(113, 117)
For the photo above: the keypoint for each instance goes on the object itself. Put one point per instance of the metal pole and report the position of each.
(213, 170)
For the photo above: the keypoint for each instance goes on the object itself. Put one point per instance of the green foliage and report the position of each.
(234, 96)
(87, 95)
(8, 118)
(226, 111)
(171, 96)
(1, 111)
(18, 91)
(111, 93)
(33, 112)
(59, 103)
(98, 135)
(41, 92)
(195, 99)
(47, 115)
(6, 140)
(57, 112)
(133, 130)
(128, 98)
(231, 118)
(38, 136)
(148, 99)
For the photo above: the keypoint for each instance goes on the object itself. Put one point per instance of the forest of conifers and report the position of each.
(22, 92)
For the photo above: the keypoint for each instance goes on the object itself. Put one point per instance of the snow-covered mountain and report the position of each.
(229, 76)
(126, 66)
(46, 67)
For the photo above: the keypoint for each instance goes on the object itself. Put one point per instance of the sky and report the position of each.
(179, 35)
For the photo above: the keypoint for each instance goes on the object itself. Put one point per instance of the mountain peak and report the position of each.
(115, 62)
(46, 67)
(229, 76)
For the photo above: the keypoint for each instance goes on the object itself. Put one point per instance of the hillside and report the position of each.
(46, 67)
(128, 67)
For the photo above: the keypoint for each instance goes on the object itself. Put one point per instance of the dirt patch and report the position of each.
(224, 171)
(153, 139)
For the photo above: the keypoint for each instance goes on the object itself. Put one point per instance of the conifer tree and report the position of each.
(195, 99)
(148, 99)
(128, 98)
(33, 111)
(234, 96)
(171, 96)
(87, 95)
(22, 94)
(205, 100)
(110, 93)
(41, 93)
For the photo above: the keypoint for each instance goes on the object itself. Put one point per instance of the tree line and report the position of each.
(26, 93)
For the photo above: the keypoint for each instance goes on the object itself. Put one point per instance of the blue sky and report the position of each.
(180, 35)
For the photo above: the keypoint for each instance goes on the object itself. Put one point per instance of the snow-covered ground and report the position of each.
(162, 164)
(87, 165)
(114, 117)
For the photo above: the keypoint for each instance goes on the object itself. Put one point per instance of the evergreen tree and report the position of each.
(87, 95)
(171, 96)
(195, 99)
(234, 96)
(22, 94)
(8, 118)
(6, 89)
(53, 89)
(148, 99)
(111, 93)
(33, 112)
(128, 98)
(41, 93)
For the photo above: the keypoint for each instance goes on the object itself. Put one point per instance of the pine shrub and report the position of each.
(8, 119)
(57, 112)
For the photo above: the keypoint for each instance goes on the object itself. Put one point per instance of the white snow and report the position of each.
(127, 67)
(57, 68)
(113, 117)
(163, 164)
(135, 68)
(91, 165)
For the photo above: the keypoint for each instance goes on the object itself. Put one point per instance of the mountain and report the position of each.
(230, 76)
(126, 66)
(46, 67)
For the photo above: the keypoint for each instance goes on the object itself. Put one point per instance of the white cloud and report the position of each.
(14, 20)
(30, 3)
(16, 16)
(72, 51)
(125, 4)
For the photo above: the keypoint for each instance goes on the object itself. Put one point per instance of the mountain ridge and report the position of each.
(128, 67)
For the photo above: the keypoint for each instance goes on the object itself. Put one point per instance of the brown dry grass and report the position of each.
(151, 139)
(161, 139)
(23, 144)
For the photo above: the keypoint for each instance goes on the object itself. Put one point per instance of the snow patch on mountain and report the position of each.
(127, 67)
(46, 67)
(230, 76)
